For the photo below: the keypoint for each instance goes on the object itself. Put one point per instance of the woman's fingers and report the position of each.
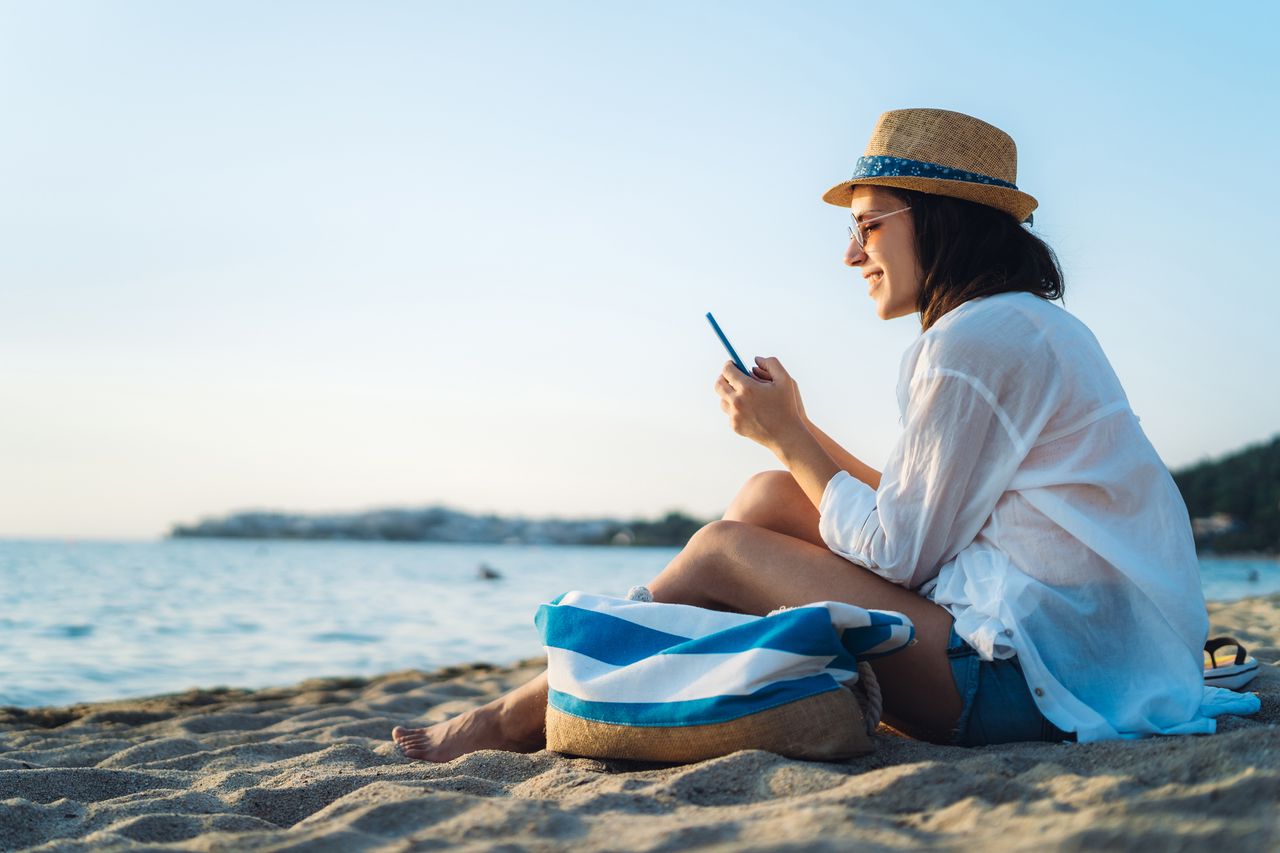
(732, 376)
(772, 365)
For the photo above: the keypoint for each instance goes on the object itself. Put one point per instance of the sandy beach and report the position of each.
(311, 766)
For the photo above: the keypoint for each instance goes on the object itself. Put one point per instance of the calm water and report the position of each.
(92, 621)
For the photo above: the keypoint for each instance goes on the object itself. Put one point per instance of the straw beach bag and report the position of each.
(669, 682)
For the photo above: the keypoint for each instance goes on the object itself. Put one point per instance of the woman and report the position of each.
(1023, 521)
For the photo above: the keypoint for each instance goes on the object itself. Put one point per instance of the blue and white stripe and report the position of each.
(644, 664)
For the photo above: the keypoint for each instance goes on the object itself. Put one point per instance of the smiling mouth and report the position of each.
(874, 279)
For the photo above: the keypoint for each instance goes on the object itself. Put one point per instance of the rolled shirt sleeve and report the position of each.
(957, 454)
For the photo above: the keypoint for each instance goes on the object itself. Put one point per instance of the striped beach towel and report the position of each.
(630, 672)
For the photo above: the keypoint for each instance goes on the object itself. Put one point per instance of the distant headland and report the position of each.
(1234, 504)
(441, 524)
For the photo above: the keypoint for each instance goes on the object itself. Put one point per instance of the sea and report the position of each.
(93, 621)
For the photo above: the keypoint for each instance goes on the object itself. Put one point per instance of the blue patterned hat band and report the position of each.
(892, 167)
(901, 167)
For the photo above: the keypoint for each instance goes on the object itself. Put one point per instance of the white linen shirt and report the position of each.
(1024, 498)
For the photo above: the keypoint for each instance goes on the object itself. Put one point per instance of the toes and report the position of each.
(416, 754)
(414, 738)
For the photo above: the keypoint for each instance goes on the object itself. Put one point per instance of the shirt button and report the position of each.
(1039, 691)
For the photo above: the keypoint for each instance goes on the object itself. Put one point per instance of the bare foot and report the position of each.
(481, 728)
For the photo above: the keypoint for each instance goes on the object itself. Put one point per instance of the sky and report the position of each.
(339, 256)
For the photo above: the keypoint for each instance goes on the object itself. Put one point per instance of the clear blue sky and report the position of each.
(331, 256)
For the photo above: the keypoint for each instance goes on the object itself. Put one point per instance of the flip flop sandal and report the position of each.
(1233, 675)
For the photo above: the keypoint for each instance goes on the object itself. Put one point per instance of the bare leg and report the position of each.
(774, 501)
(766, 554)
(740, 567)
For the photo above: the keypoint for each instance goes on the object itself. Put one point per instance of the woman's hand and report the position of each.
(759, 371)
(765, 409)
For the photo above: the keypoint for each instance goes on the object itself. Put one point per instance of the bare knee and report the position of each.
(760, 497)
(774, 500)
(713, 537)
(700, 568)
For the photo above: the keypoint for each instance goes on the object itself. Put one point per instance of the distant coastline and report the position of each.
(441, 524)
(1234, 505)
(1211, 554)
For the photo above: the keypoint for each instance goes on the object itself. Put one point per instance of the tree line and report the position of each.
(1244, 486)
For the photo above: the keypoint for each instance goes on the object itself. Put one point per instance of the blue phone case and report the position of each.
(727, 345)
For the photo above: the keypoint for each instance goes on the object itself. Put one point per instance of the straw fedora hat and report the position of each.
(944, 153)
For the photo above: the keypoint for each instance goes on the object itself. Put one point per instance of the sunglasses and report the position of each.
(855, 230)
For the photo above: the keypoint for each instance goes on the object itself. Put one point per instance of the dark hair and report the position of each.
(968, 250)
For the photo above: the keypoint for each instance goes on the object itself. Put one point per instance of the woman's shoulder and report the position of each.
(1003, 344)
(1021, 309)
(1004, 329)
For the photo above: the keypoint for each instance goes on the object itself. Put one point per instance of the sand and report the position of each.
(311, 767)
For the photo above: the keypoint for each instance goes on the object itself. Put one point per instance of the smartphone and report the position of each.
(733, 355)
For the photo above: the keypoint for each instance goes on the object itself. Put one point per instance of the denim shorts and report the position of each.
(997, 704)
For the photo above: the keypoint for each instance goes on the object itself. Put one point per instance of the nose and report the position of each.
(854, 256)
